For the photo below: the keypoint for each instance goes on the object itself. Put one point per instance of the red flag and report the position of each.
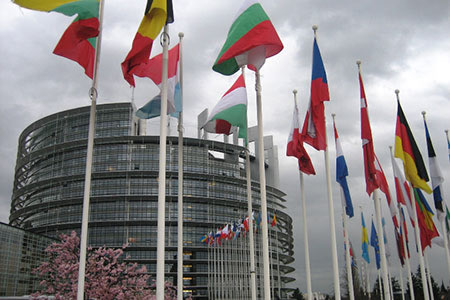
(295, 146)
(384, 187)
(314, 130)
(367, 144)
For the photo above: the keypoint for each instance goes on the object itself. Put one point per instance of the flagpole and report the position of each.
(346, 242)
(180, 180)
(441, 216)
(417, 233)
(400, 275)
(250, 221)
(305, 227)
(337, 288)
(427, 265)
(368, 278)
(262, 185)
(160, 260)
(379, 284)
(89, 157)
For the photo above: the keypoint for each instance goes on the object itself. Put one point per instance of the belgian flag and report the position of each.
(406, 149)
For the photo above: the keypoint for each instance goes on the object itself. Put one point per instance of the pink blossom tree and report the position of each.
(107, 277)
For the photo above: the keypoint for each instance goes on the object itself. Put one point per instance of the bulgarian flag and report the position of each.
(230, 111)
(156, 14)
(251, 39)
(78, 41)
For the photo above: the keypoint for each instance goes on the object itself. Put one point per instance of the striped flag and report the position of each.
(435, 173)
(341, 175)
(427, 228)
(156, 14)
(314, 129)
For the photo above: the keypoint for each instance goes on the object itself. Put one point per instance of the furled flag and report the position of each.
(341, 175)
(427, 228)
(274, 220)
(251, 39)
(436, 176)
(365, 241)
(406, 149)
(399, 243)
(448, 145)
(295, 146)
(314, 129)
(367, 143)
(375, 245)
(230, 111)
(78, 41)
(388, 251)
(153, 70)
(384, 187)
(156, 14)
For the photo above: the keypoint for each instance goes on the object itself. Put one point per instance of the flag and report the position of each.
(384, 187)
(251, 39)
(367, 143)
(375, 245)
(314, 129)
(341, 175)
(406, 149)
(427, 228)
(274, 220)
(204, 239)
(246, 227)
(78, 41)
(448, 145)
(399, 243)
(365, 241)
(153, 70)
(230, 111)
(387, 249)
(295, 146)
(436, 175)
(156, 14)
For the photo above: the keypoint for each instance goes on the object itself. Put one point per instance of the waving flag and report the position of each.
(153, 70)
(341, 175)
(78, 41)
(384, 187)
(365, 241)
(274, 220)
(374, 243)
(436, 175)
(230, 111)
(156, 14)
(427, 228)
(406, 149)
(251, 39)
(367, 143)
(295, 146)
(314, 130)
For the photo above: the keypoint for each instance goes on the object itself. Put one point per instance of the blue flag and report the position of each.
(375, 245)
(365, 240)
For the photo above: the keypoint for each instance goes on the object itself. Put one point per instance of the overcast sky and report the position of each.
(403, 45)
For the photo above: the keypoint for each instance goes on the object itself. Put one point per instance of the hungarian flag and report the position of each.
(295, 146)
(251, 39)
(156, 14)
(314, 130)
(427, 228)
(436, 175)
(406, 149)
(153, 70)
(230, 111)
(384, 187)
(78, 41)
(370, 170)
(341, 175)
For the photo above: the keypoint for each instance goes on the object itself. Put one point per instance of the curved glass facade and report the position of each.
(49, 182)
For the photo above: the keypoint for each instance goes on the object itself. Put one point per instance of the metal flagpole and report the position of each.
(160, 260)
(250, 220)
(376, 201)
(180, 180)
(430, 286)
(305, 226)
(89, 157)
(379, 285)
(391, 290)
(400, 275)
(417, 233)
(262, 185)
(368, 279)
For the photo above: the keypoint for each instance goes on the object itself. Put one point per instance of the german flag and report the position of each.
(157, 13)
(406, 149)
(79, 40)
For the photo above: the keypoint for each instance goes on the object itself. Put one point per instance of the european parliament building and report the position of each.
(48, 194)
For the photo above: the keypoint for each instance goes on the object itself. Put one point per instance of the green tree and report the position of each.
(297, 294)
(417, 286)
